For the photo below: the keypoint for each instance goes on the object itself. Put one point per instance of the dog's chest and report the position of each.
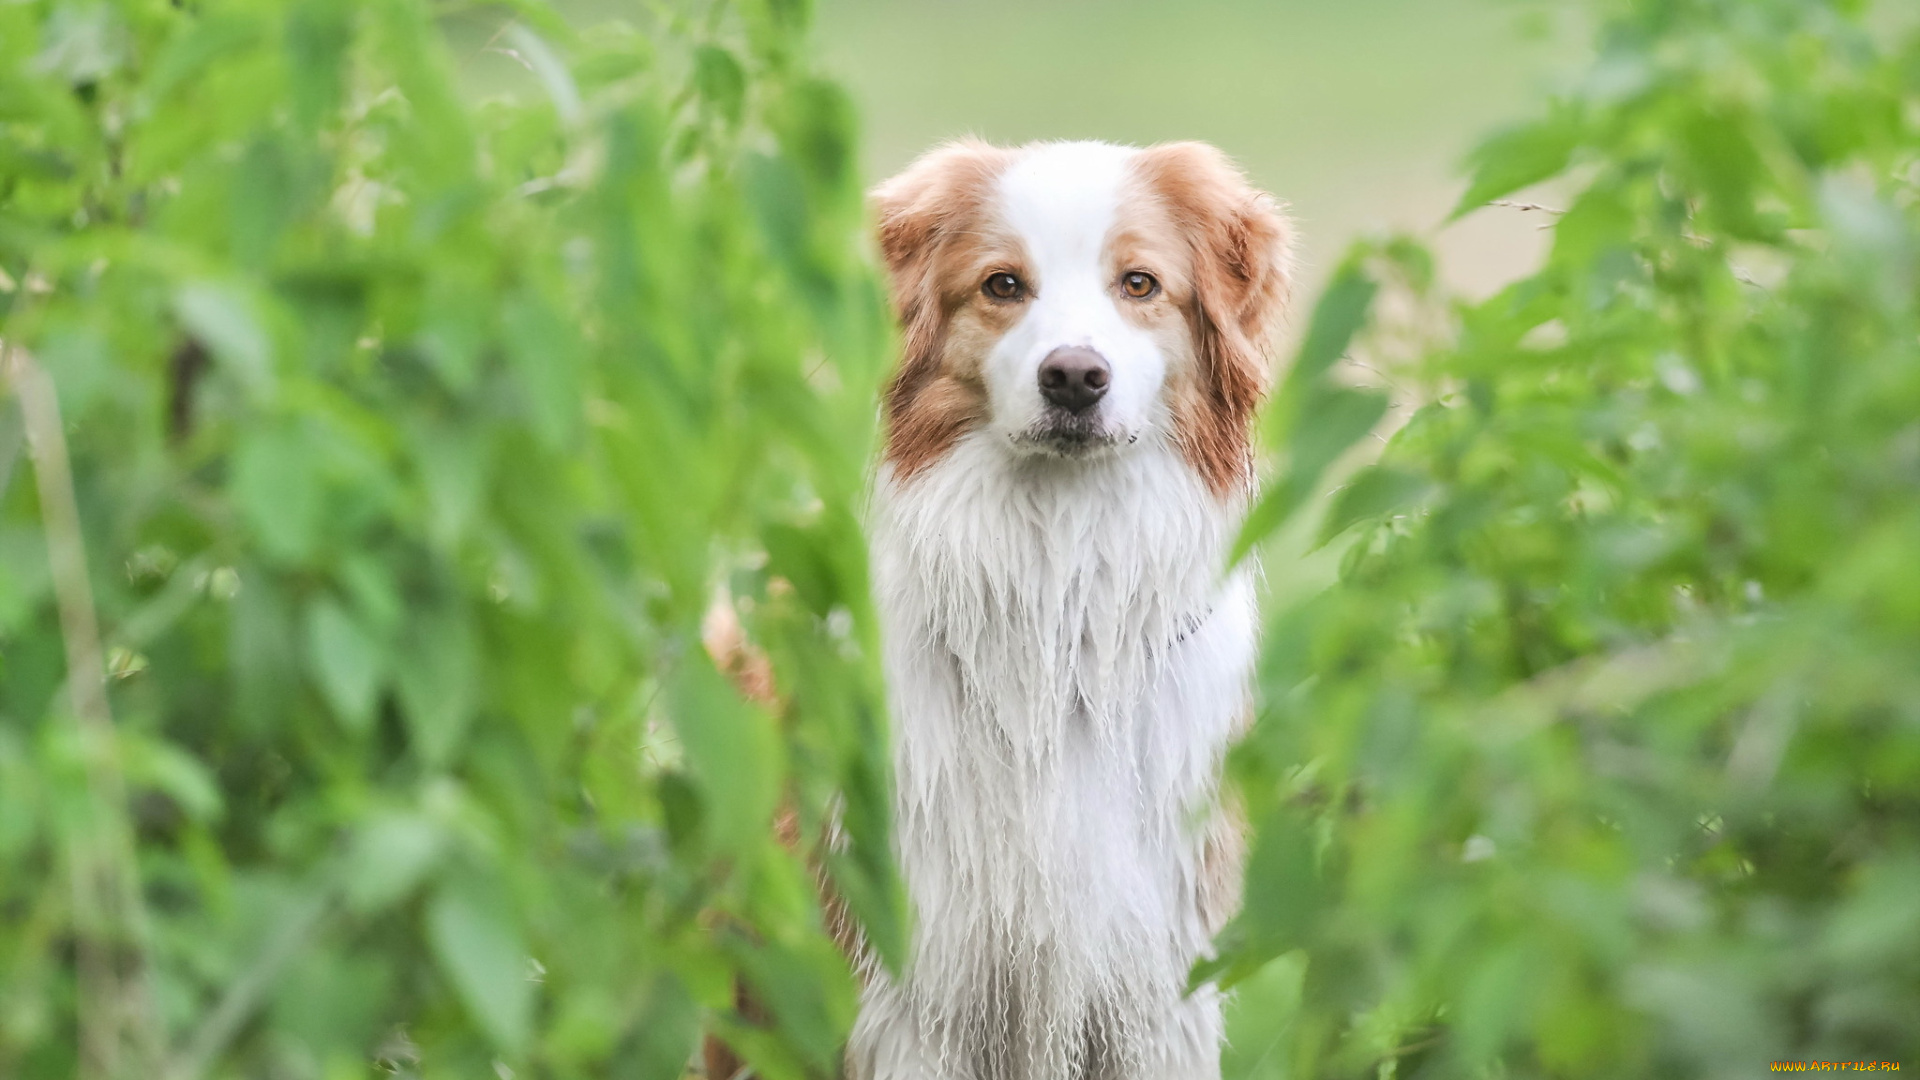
(1059, 698)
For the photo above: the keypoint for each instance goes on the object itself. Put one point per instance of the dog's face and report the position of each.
(1075, 299)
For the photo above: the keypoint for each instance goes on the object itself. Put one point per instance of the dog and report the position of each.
(1066, 460)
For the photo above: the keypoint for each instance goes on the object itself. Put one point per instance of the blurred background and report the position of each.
(1357, 113)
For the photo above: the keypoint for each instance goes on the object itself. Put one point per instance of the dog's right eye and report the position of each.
(1003, 286)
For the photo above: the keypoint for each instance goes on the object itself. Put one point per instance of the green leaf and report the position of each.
(27, 577)
(1519, 157)
(436, 675)
(1286, 890)
(452, 463)
(317, 35)
(455, 331)
(278, 491)
(263, 646)
(171, 771)
(1376, 491)
(389, 856)
(721, 81)
(228, 321)
(1262, 1007)
(550, 69)
(1339, 315)
(798, 555)
(546, 354)
(808, 992)
(477, 942)
(733, 751)
(1496, 996)
(671, 1020)
(1331, 420)
(80, 359)
(346, 661)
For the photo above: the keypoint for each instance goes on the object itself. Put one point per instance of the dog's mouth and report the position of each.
(1066, 434)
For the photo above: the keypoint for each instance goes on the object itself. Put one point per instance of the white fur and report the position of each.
(1066, 668)
(1062, 199)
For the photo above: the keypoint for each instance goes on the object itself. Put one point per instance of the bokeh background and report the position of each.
(1357, 113)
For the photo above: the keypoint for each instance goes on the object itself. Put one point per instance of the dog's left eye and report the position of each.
(1139, 284)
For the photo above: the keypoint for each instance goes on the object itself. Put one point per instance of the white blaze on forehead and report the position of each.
(1062, 199)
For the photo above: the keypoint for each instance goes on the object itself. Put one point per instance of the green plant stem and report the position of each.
(118, 1034)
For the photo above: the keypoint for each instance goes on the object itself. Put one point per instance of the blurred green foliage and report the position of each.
(412, 433)
(1602, 757)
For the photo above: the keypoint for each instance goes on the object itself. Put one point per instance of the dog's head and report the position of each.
(1076, 299)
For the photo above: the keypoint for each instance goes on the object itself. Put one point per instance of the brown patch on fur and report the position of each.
(932, 236)
(1147, 238)
(743, 663)
(1239, 246)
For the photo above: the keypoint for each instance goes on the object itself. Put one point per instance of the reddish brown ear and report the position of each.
(926, 205)
(1242, 263)
(937, 200)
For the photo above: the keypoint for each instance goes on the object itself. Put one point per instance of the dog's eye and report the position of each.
(1139, 284)
(1003, 286)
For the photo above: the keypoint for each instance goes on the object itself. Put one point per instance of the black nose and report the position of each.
(1074, 378)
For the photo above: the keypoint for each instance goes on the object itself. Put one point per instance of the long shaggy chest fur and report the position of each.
(1067, 668)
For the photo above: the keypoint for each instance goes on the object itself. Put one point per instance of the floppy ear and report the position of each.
(1242, 249)
(935, 200)
(923, 207)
